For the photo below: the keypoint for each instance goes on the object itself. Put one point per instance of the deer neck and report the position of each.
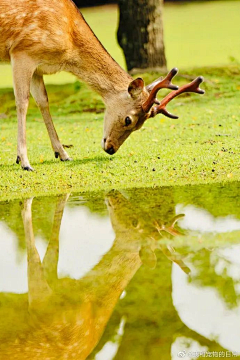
(94, 65)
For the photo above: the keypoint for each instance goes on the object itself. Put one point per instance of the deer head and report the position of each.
(138, 104)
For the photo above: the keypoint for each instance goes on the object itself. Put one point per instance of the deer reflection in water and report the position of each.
(65, 318)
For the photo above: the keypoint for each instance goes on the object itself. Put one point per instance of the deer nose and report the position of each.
(108, 147)
(110, 151)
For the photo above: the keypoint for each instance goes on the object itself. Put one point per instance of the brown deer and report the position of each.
(44, 37)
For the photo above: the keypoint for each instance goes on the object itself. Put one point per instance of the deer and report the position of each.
(48, 36)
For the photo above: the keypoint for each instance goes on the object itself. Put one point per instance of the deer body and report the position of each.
(56, 37)
(47, 36)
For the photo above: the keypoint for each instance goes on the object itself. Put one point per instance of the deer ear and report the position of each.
(136, 87)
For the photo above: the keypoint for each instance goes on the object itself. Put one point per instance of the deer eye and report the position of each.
(135, 223)
(128, 121)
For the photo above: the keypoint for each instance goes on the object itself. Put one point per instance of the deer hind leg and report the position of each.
(39, 93)
(23, 67)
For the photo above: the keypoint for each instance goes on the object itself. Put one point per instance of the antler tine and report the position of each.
(191, 87)
(165, 83)
(175, 219)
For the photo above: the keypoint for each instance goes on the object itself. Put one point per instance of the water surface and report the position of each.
(134, 274)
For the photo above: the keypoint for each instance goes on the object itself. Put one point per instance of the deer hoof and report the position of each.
(28, 168)
(18, 160)
(57, 155)
(68, 159)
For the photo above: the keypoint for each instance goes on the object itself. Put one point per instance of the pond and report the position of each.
(133, 274)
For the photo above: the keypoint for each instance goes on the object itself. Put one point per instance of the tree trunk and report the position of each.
(140, 34)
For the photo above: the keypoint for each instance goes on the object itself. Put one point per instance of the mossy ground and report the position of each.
(202, 146)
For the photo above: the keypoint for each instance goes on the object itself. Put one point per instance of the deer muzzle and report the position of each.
(108, 146)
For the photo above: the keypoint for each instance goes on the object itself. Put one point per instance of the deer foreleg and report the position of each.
(38, 288)
(39, 93)
(50, 261)
(23, 68)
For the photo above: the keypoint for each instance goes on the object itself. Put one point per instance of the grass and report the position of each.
(201, 147)
(202, 34)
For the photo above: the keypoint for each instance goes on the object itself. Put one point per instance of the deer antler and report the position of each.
(156, 86)
(191, 87)
(169, 229)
